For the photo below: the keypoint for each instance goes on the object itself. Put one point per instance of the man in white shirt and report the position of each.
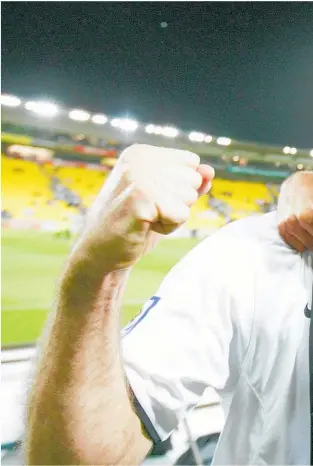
(230, 315)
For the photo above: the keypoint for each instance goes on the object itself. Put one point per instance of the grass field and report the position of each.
(31, 263)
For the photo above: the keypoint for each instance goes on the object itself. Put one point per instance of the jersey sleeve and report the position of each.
(179, 343)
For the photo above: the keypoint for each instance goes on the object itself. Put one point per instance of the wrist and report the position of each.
(86, 272)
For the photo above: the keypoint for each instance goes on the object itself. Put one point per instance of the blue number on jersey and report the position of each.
(142, 314)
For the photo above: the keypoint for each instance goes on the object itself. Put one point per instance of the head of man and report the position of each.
(295, 211)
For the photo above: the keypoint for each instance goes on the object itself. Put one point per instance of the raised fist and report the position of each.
(150, 191)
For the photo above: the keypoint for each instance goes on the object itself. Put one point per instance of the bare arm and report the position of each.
(80, 410)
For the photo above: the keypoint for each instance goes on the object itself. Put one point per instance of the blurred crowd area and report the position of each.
(53, 197)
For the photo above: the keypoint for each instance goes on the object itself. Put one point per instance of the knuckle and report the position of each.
(197, 180)
(194, 195)
(188, 176)
(194, 158)
(191, 195)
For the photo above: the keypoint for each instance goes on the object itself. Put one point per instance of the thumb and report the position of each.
(207, 172)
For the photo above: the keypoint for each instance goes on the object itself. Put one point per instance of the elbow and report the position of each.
(88, 447)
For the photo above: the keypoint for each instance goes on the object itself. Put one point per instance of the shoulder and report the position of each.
(237, 244)
(229, 260)
(251, 231)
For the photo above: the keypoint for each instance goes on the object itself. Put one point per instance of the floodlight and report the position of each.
(150, 129)
(99, 119)
(170, 132)
(223, 141)
(79, 115)
(42, 108)
(124, 124)
(196, 137)
(10, 100)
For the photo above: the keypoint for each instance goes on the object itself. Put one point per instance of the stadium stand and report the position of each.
(203, 217)
(27, 194)
(242, 197)
(231, 200)
(23, 186)
(52, 193)
(82, 181)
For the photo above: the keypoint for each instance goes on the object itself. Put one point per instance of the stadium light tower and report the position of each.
(10, 100)
(42, 108)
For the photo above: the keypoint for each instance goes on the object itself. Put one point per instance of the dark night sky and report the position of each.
(238, 69)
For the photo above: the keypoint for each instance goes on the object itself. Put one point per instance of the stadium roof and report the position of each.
(49, 116)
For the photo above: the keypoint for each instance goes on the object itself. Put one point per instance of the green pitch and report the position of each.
(31, 264)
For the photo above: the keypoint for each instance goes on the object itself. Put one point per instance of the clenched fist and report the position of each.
(149, 192)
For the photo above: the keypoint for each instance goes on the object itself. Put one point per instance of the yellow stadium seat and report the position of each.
(82, 181)
(26, 192)
(26, 189)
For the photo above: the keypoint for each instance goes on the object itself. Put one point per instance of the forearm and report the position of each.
(80, 411)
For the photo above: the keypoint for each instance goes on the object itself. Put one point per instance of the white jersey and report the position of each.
(230, 316)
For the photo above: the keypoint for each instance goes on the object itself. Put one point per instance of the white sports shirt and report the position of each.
(230, 316)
